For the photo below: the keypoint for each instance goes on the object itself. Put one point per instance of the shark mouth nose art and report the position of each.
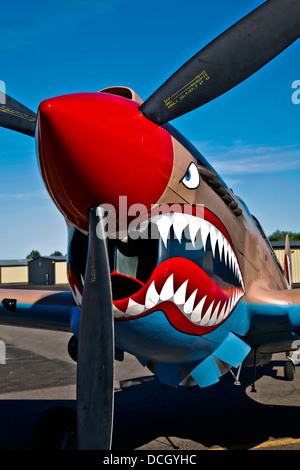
(197, 292)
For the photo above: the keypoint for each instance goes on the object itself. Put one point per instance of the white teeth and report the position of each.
(194, 227)
(78, 295)
(220, 243)
(201, 313)
(225, 246)
(179, 296)
(204, 233)
(229, 257)
(152, 297)
(213, 239)
(213, 318)
(222, 313)
(206, 318)
(179, 224)
(189, 304)
(134, 308)
(196, 315)
(164, 224)
(116, 312)
(228, 308)
(168, 290)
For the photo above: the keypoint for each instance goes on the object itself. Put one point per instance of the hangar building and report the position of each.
(279, 248)
(47, 270)
(52, 270)
(14, 271)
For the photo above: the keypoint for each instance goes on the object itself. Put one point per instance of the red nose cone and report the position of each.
(95, 147)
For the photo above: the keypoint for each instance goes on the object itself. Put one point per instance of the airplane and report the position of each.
(164, 261)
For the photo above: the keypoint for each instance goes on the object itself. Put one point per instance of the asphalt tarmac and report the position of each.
(39, 375)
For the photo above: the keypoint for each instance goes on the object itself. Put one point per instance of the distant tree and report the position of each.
(56, 253)
(33, 254)
(279, 236)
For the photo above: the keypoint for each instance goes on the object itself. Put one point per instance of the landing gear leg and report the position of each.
(289, 369)
(253, 389)
(237, 376)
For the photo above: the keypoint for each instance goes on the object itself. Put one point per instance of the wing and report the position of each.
(52, 310)
(271, 318)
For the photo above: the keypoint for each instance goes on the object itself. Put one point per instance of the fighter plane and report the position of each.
(165, 262)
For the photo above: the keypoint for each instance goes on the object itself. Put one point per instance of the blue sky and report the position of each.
(250, 134)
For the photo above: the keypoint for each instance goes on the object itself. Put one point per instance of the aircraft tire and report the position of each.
(55, 430)
(289, 370)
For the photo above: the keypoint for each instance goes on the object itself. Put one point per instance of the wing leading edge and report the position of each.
(269, 320)
(52, 310)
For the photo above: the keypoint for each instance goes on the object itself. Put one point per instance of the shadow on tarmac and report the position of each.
(222, 415)
(146, 410)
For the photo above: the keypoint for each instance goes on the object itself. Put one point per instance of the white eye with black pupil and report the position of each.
(191, 179)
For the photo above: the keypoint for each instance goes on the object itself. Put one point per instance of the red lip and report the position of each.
(199, 308)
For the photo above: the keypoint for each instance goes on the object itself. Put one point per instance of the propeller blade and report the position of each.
(228, 60)
(15, 116)
(95, 366)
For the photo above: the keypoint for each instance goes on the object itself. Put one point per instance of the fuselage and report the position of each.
(184, 251)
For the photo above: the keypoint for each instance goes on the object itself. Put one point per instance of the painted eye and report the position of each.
(191, 179)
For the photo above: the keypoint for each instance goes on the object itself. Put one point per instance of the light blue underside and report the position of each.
(153, 338)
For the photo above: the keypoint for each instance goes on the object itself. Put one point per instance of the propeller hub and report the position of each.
(94, 148)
